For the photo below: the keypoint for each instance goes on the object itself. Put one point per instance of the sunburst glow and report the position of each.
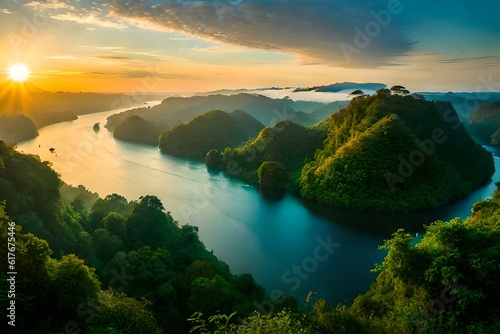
(18, 72)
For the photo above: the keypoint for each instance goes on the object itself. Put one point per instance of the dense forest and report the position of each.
(137, 129)
(213, 130)
(108, 265)
(114, 267)
(287, 143)
(395, 152)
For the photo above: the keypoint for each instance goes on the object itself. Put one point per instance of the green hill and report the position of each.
(213, 130)
(485, 122)
(137, 129)
(391, 153)
(287, 143)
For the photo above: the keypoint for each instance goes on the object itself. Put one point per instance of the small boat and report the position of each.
(96, 127)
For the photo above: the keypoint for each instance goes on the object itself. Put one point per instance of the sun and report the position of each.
(18, 72)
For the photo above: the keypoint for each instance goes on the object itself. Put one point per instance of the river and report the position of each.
(290, 246)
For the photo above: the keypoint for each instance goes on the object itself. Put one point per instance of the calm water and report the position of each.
(290, 246)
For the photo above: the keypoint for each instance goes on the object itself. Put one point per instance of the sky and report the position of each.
(188, 46)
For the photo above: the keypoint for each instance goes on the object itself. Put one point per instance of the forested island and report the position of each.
(110, 265)
(393, 152)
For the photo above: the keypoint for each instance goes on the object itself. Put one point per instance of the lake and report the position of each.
(290, 246)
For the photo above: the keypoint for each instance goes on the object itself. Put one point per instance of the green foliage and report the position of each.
(103, 206)
(283, 322)
(149, 224)
(395, 153)
(27, 184)
(213, 130)
(213, 158)
(272, 174)
(210, 295)
(135, 248)
(137, 129)
(71, 282)
(121, 314)
(287, 143)
(215, 324)
(445, 283)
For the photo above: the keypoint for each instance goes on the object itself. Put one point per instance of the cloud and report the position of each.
(49, 4)
(461, 60)
(137, 74)
(90, 18)
(315, 31)
(322, 31)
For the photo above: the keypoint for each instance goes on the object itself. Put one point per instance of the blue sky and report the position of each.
(203, 45)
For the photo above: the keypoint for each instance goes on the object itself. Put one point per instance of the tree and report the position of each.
(399, 90)
(103, 206)
(213, 158)
(149, 224)
(121, 314)
(210, 295)
(71, 283)
(272, 174)
(357, 92)
(199, 269)
(116, 224)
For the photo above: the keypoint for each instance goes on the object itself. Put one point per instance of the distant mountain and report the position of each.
(485, 122)
(137, 129)
(236, 91)
(395, 153)
(464, 103)
(344, 86)
(16, 128)
(213, 130)
(175, 110)
(330, 108)
(26, 87)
